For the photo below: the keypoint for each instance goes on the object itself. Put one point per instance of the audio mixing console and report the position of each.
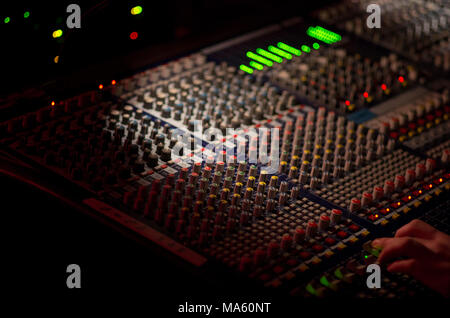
(356, 133)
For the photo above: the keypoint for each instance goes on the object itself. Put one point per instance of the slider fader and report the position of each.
(363, 148)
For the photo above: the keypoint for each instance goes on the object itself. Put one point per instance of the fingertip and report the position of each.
(378, 243)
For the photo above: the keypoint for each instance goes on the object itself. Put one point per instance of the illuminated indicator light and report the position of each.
(383, 87)
(57, 33)
(420, 191)
(401, 79)
(365, 256)
(7, 19)
(324, 281)
(409, 197)
(26, 14)
(398, 203)
(100, 86)
(323, 34)
(282, 53)
(245, 68)
(256, 65)
(259, 59)
(56, 59)
(269, 55)
(310, 289)
(133, 35)
(366, 95)
(347, 102)
(136, 10)
(376, 215)
(113, 82)
(440, 179)
(387, 210)
(306, 48)
(53, 103)
(289, 48)
(338, 273)
(430, 186)
(316, 46)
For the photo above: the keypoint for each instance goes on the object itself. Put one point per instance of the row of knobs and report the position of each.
(391, 186)
(333, 76)
(321, 147)
(289, 241)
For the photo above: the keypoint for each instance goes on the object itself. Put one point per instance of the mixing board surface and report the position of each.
(279, 172)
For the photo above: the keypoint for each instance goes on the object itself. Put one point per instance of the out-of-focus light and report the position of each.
(113, 82)
(134, 35)
(100, 86)
(58, 33)
(245, 68)
(7, 19)
(306, 48)
(366, 95)
(347, 102)
(401, 79)
(289, 49)
(316, 46)
(136, 10)
(56, 59)
(282, 53)
(256, 65)
(259, 59)
(26, 14)
(53, 103)
(383, 87)
(269, 55)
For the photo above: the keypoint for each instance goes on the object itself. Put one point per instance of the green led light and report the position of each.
(7, 19)
(136, 10)
(324, 281)
(26, 14)
(269, 55)
(57, 33)
(323, 34)
(289, 49)
(259, 59)
(310, 289)
(245, 68)
(282, 53)
(338, 273)
(306, 48)
(256, 65)
(365, 256)
(316, 46)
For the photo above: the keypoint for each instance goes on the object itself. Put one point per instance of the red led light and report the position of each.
(383, 87)
(100, 86)
(347, 102)
(113, 82)
(133, 35)
(401, 79)
(366, 95)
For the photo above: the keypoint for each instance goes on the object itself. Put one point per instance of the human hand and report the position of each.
(427, 253)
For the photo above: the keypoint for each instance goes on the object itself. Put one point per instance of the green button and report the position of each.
(310, 289)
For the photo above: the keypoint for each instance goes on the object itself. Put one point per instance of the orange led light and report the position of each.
(100, 86)
(53, 103)
(113, 82)
(409, 197)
